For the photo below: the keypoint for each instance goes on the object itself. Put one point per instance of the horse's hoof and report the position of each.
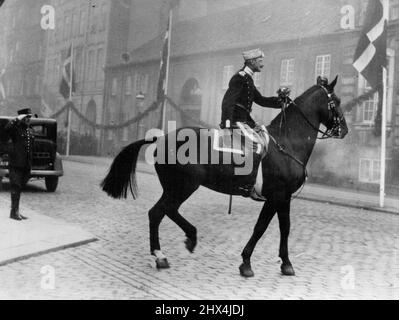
(162, 263)
(190, 244)
(246, 270)
(287, 270)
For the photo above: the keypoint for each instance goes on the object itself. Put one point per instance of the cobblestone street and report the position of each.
(327, 244)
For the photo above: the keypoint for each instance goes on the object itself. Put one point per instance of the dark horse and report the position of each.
(293, 135)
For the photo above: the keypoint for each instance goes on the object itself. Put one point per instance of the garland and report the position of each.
(155, 105)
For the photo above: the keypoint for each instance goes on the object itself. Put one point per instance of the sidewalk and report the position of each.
(37, 235)
(311, 191)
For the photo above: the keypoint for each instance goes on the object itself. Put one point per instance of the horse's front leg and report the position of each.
(283, 213)
(266, 215)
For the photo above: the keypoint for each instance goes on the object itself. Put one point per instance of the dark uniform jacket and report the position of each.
(238, 99)
(22, 137)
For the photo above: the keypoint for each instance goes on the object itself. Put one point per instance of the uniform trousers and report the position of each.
(18, 177)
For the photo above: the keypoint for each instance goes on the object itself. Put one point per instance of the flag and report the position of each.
(163, 73)
(370, 54)
(45, 110)
(161, 89)
(66, 72)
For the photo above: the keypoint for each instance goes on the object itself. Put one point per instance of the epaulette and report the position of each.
(241, 73)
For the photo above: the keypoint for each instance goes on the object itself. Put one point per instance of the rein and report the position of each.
(283, 151)
(325, 134)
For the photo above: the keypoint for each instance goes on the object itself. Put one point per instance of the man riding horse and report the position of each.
(237, 105)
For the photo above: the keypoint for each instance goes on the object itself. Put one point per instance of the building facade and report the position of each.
(82, 25)
(206, 52)
(22, 54)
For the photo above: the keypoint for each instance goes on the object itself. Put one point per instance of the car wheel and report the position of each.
(51, 183)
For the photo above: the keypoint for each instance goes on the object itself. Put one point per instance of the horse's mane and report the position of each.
(298, 101)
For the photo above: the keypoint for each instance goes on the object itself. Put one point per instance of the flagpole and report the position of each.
(70, 101)
(383, 137)
(383, 118)
(164, 105)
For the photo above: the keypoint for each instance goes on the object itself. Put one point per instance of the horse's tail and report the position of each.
(122, 173)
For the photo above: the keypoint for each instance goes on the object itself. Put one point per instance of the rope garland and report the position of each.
(156, 104)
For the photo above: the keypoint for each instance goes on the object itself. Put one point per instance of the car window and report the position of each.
(40, 130)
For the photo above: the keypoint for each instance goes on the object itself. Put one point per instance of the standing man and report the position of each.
(20, 157)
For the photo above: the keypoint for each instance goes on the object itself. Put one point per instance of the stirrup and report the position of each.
(246, 191)
(255, 196)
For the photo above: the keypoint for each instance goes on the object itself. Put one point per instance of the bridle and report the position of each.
(335, 130)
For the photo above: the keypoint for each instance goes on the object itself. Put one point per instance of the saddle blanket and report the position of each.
(242, 140)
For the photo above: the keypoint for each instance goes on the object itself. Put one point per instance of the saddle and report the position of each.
(241, 139)
(251, 145)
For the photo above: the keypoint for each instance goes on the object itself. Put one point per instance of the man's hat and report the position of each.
(26, 112)
(253, 54)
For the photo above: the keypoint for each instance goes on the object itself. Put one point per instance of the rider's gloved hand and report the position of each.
(20, 117)
(283, 95)
(283, 92)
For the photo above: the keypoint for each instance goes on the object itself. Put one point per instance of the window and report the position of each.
(93, 19)
(100, 63)
(67, 27)
(82, 22)
(78, 63)
(369, 170)
(114, 86)
(11, 56)
(59, 31)
(103, 20)
(323, 65)
(368, 108)
(128, 85)
(110, 134)
(394, 10)
(125, 134)
(287, 72)
(227, 74)
(90, 65)
(75, 25)
(142, 83)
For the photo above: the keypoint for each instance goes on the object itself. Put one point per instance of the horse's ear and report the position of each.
(333, 83)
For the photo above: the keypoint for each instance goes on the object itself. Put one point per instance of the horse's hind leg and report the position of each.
(177, 198)
(156, 214)
(283, 213)
(174, 195)
(187, 227)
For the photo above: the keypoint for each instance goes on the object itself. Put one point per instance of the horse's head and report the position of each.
(331, 114)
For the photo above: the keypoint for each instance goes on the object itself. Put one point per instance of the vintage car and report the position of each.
(47, 162)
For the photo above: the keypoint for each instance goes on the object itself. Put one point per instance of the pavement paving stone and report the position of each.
(324, 238)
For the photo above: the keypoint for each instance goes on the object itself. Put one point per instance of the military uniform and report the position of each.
(237, 106)
(20, 159)
(238, 99)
